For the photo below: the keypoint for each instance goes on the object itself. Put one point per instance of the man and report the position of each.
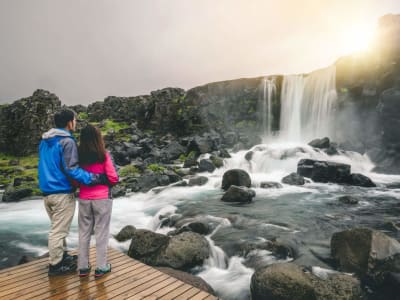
(58, 166)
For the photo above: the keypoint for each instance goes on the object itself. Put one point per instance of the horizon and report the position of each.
(130, 48)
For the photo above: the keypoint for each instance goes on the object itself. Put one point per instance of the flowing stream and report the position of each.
(303, 217)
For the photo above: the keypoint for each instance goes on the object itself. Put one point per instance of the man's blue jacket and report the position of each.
(59, 164)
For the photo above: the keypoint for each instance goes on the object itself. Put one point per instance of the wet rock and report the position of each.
(238, 194)
(188, 278)
(12, 194)
(320, 143)
(172, 151)
(206, 165)
(323, 171)
(224, 153)
(217, 161)
(27, 258)
(198, 227)
(289, 281)
(281, 281)
(360, 180)
(198, 180)
(184, 251)
(352, 200)
(391, 226)
(270, 185)
(368, 253)
(249, 155)
(118, 191)
(121, 158)
(146, 246)
(125, 234)
(293, 179)
(236, 177)
(190, 162)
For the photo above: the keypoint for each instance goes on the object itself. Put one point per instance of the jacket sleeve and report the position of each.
(110, 170)
(71, 163)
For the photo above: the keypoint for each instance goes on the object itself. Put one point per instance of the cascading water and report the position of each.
(269, 92)
(307, 105)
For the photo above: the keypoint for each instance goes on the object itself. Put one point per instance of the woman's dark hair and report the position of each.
(62, 117)
(91, 146)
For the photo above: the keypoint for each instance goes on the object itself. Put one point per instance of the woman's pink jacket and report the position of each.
(100, 191)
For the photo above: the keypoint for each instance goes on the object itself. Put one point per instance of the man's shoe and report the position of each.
(100, 272)
(85, 272)
(62, 269)
(69, 259)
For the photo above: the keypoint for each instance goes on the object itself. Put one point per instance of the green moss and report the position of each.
(344, 90)
(83, 116)
(116, 126)
(128, 170)
(26, 167)
(156, 168)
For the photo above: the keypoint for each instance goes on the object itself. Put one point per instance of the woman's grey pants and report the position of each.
(94, 214)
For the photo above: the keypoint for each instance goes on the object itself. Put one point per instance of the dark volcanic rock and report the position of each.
(324, 171)
(270, 185)
(360, 180)
(238, 194)
(125, 233)
(320, 143)
(206, 165)
(12, 194)
(349, 200)
(236, 177)
(294, 179)
(368, 253)
(23, 122)
(198, 180)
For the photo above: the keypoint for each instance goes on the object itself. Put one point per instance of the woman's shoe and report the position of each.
(99, 272)
(85, 271)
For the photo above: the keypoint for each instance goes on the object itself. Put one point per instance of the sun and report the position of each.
(358, 38)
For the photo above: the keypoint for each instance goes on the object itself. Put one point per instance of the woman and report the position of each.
(95, 202)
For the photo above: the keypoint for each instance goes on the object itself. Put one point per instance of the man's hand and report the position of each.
(99, 179)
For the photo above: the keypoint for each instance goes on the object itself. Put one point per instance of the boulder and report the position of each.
(249, 155)
(236, 177)
(368, 253)
(281, 282)
(184, 251)
(125, 234)
(224, 153)
(146, 246)
(289, 281)
(172, 151)
(320, 143)
(293, 179)
(238, 194)
(324, 171)
(198, 180)
(206, 165)
(360, 180)
(217, 161)
(12, 194)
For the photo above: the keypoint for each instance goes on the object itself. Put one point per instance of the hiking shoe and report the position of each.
(62, 269)
(85, 272)
(100, 272)
(69, 259)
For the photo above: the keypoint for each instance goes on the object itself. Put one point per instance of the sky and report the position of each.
(86, 50)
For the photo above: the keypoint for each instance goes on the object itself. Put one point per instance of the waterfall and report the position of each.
(269, 92)
(307, 105)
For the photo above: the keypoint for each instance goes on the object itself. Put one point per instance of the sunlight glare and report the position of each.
(358, 38)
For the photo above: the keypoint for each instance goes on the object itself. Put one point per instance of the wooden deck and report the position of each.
(129, 279)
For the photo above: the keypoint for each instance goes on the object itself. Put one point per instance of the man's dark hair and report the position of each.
(62, 117)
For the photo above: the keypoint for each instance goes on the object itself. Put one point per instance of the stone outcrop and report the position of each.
(23, 122)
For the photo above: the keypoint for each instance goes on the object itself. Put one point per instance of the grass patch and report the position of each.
(128, 170)
(156, 168)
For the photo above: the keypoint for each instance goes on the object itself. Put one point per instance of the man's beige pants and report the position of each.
(60, 208)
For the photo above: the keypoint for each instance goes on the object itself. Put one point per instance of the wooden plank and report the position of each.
(186, 295)
(15, 281)
(128, 279)
(49, 284)
(131, 282)
(151, 288)
(200, 296)
(41, 272)
(171, 287)
(210, 297)
(59, 288)
(175, 293)
(98, 285)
